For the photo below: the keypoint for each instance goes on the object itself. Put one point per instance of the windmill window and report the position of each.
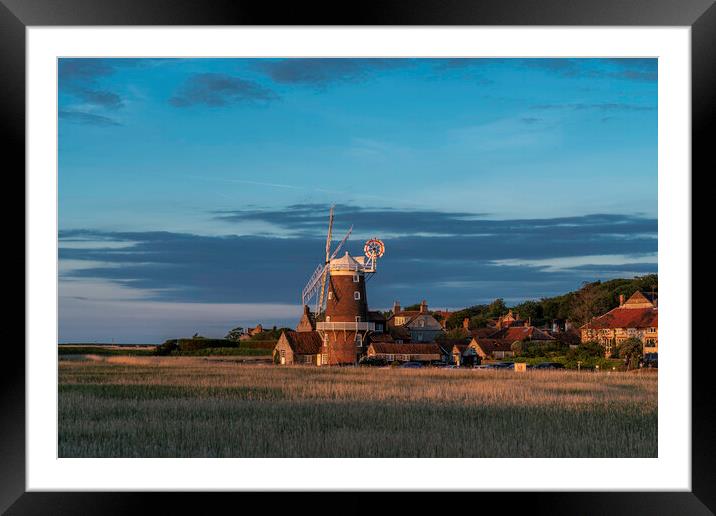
(356, 278)
(330, 294)
(356, 295)
(357, 318)
(328, 318)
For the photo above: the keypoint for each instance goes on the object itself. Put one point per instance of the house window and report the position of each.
(419, 336)
(422, 323)
(324, 358)
(359, 339)
(356, 295)
(356, 278)
(390, 358)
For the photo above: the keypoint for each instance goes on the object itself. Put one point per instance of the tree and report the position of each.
(585, 304)
(235, 334)
(591, 348)
(497, 308)
(631, 351)
(454, 334)
(517, 348)
(530, 310)
(478, 321)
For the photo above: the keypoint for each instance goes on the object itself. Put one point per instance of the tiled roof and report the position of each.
(626, 318)
(407, 349)
(305, 342)
(380, 337)
(400, 332)
(521, 333)
(491, 345)
(374, 316)
(407, 313)
(482, 332)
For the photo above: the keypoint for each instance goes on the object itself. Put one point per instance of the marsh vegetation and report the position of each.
(134, 406)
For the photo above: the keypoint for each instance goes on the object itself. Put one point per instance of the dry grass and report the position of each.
(191, 407)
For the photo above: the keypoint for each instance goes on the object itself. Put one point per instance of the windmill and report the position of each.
(316, 286)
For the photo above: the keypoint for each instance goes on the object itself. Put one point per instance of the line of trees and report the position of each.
(591, 300)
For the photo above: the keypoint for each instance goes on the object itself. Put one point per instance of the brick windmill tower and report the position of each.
(341, 301)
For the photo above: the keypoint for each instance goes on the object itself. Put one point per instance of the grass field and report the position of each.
(193, 407)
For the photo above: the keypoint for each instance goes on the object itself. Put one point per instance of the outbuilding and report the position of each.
(295, 347)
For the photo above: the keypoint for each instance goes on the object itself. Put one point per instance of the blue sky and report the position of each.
(193, 193)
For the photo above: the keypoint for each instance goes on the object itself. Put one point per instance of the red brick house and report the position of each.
(636, 317)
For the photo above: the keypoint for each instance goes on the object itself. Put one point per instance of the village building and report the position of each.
(295, 347)
(421, 325)
(411, 352)
(511, 319)
(256, 330)
(489, 349)
(378, 319)
(457, 354)
(636, 317)
(496, 343)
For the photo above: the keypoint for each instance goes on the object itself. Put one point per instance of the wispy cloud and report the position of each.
(83, 117)
(218, 89)
(322, 71)
(598, 106)
(80, 78)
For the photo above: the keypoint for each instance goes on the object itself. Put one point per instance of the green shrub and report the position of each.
(166, 347)
(198, 343)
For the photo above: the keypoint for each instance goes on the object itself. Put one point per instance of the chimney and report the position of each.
(306, 310)
(621, 299)
(423, 306)
(396, 307)
(466, 323)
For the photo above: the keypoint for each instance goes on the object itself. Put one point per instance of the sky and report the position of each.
(194, 193)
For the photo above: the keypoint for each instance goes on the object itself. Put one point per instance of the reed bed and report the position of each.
(192, 407)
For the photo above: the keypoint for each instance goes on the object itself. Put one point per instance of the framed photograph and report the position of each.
(414, 250)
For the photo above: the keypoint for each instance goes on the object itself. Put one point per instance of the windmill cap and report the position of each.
(346, 263)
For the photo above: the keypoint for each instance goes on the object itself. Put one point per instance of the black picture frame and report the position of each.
(17, 15)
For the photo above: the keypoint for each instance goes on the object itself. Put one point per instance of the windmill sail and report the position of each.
(324, 278)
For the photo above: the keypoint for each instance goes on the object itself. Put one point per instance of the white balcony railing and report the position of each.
(345, 326)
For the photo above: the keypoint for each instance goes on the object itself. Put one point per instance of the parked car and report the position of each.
(650, 360)
(372, 362)
(549, 365)
(504, 365)
(411, 365)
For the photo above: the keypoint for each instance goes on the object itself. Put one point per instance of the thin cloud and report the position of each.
(217, 90)
(80, 78)
(599, 106)
(82, 117)
(322, 71)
